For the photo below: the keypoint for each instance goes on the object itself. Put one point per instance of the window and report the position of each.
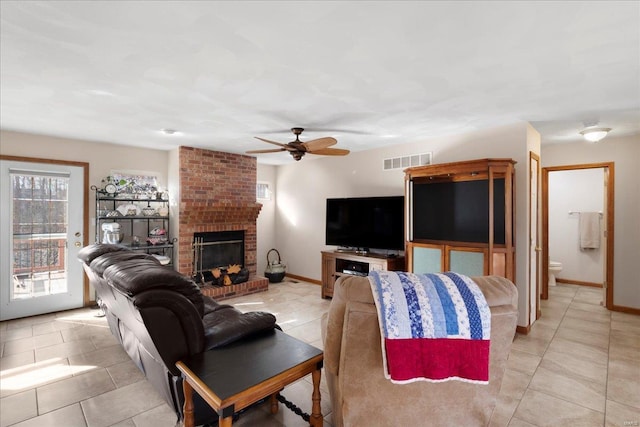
(39, 203)
(263, 192)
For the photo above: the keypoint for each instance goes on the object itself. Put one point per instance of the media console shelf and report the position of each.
(336, 264)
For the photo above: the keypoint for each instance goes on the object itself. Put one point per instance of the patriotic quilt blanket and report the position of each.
(434, 327)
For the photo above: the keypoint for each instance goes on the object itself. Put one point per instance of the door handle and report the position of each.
(77, 244)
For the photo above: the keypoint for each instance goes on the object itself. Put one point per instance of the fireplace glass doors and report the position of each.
(217, 249)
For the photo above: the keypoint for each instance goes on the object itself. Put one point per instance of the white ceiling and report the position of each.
(368, 73)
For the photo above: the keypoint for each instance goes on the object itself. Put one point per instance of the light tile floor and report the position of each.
(580, 365)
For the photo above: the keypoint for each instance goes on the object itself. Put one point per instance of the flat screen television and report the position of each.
(366, 222)
(457, 211)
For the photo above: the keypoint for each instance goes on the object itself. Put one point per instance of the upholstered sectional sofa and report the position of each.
(159, 316)
(362, 396)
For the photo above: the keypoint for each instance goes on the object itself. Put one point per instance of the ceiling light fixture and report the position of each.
(595, 134)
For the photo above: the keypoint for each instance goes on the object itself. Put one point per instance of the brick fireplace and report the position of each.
(218, 193)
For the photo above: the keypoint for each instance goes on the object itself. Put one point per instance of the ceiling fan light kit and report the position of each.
(593, 134)
(298, 149)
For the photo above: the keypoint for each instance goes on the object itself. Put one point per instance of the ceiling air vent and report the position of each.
(407, 161)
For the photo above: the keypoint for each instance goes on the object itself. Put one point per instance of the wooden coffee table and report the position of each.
(235, 376)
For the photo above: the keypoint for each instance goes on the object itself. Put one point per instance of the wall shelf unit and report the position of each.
(459, 217)
(143, 223)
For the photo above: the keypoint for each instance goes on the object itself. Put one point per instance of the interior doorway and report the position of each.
(607, 224)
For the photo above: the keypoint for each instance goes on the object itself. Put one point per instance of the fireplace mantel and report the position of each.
(206, 212)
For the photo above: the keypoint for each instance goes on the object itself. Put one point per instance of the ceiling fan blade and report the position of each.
(319, 144)
(285, 146)
(275, 150)
(331, 152)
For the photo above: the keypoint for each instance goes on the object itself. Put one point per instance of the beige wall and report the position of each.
(266, 223)
(303, 187)
(173, 185)
(294, 222)
(625, 153)
(102, 158)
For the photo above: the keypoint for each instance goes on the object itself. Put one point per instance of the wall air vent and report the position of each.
(407, 161)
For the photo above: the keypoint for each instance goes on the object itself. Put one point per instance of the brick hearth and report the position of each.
(218, 193)
(254, 285)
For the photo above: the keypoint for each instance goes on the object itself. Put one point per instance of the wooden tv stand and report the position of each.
(336, 264)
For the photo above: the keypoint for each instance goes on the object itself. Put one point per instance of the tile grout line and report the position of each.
(541, 358)
(606, 382)
(581, 299)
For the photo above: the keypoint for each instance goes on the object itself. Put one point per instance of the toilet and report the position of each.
(554, 268)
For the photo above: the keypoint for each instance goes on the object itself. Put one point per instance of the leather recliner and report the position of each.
(159, 316)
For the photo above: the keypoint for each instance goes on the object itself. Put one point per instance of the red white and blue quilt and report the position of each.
(434, 327)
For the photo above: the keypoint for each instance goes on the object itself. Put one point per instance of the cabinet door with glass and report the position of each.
(436, 258)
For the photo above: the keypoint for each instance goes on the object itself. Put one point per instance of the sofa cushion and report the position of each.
(101, 263)
(134, 276)
(226, 324)
(91, 252)
(497, 290)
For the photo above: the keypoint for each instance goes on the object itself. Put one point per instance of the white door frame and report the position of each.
(534, 237)
(80, 239)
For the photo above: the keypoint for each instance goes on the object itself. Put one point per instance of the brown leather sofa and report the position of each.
(362, 396)
(159, 316)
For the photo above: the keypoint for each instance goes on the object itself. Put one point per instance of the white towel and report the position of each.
(589, 230)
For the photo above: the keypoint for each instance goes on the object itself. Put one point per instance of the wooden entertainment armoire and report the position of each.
(466, 223)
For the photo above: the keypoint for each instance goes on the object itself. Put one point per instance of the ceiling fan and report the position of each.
(298, 149)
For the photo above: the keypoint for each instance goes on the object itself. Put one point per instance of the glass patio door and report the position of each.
(41, 224)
